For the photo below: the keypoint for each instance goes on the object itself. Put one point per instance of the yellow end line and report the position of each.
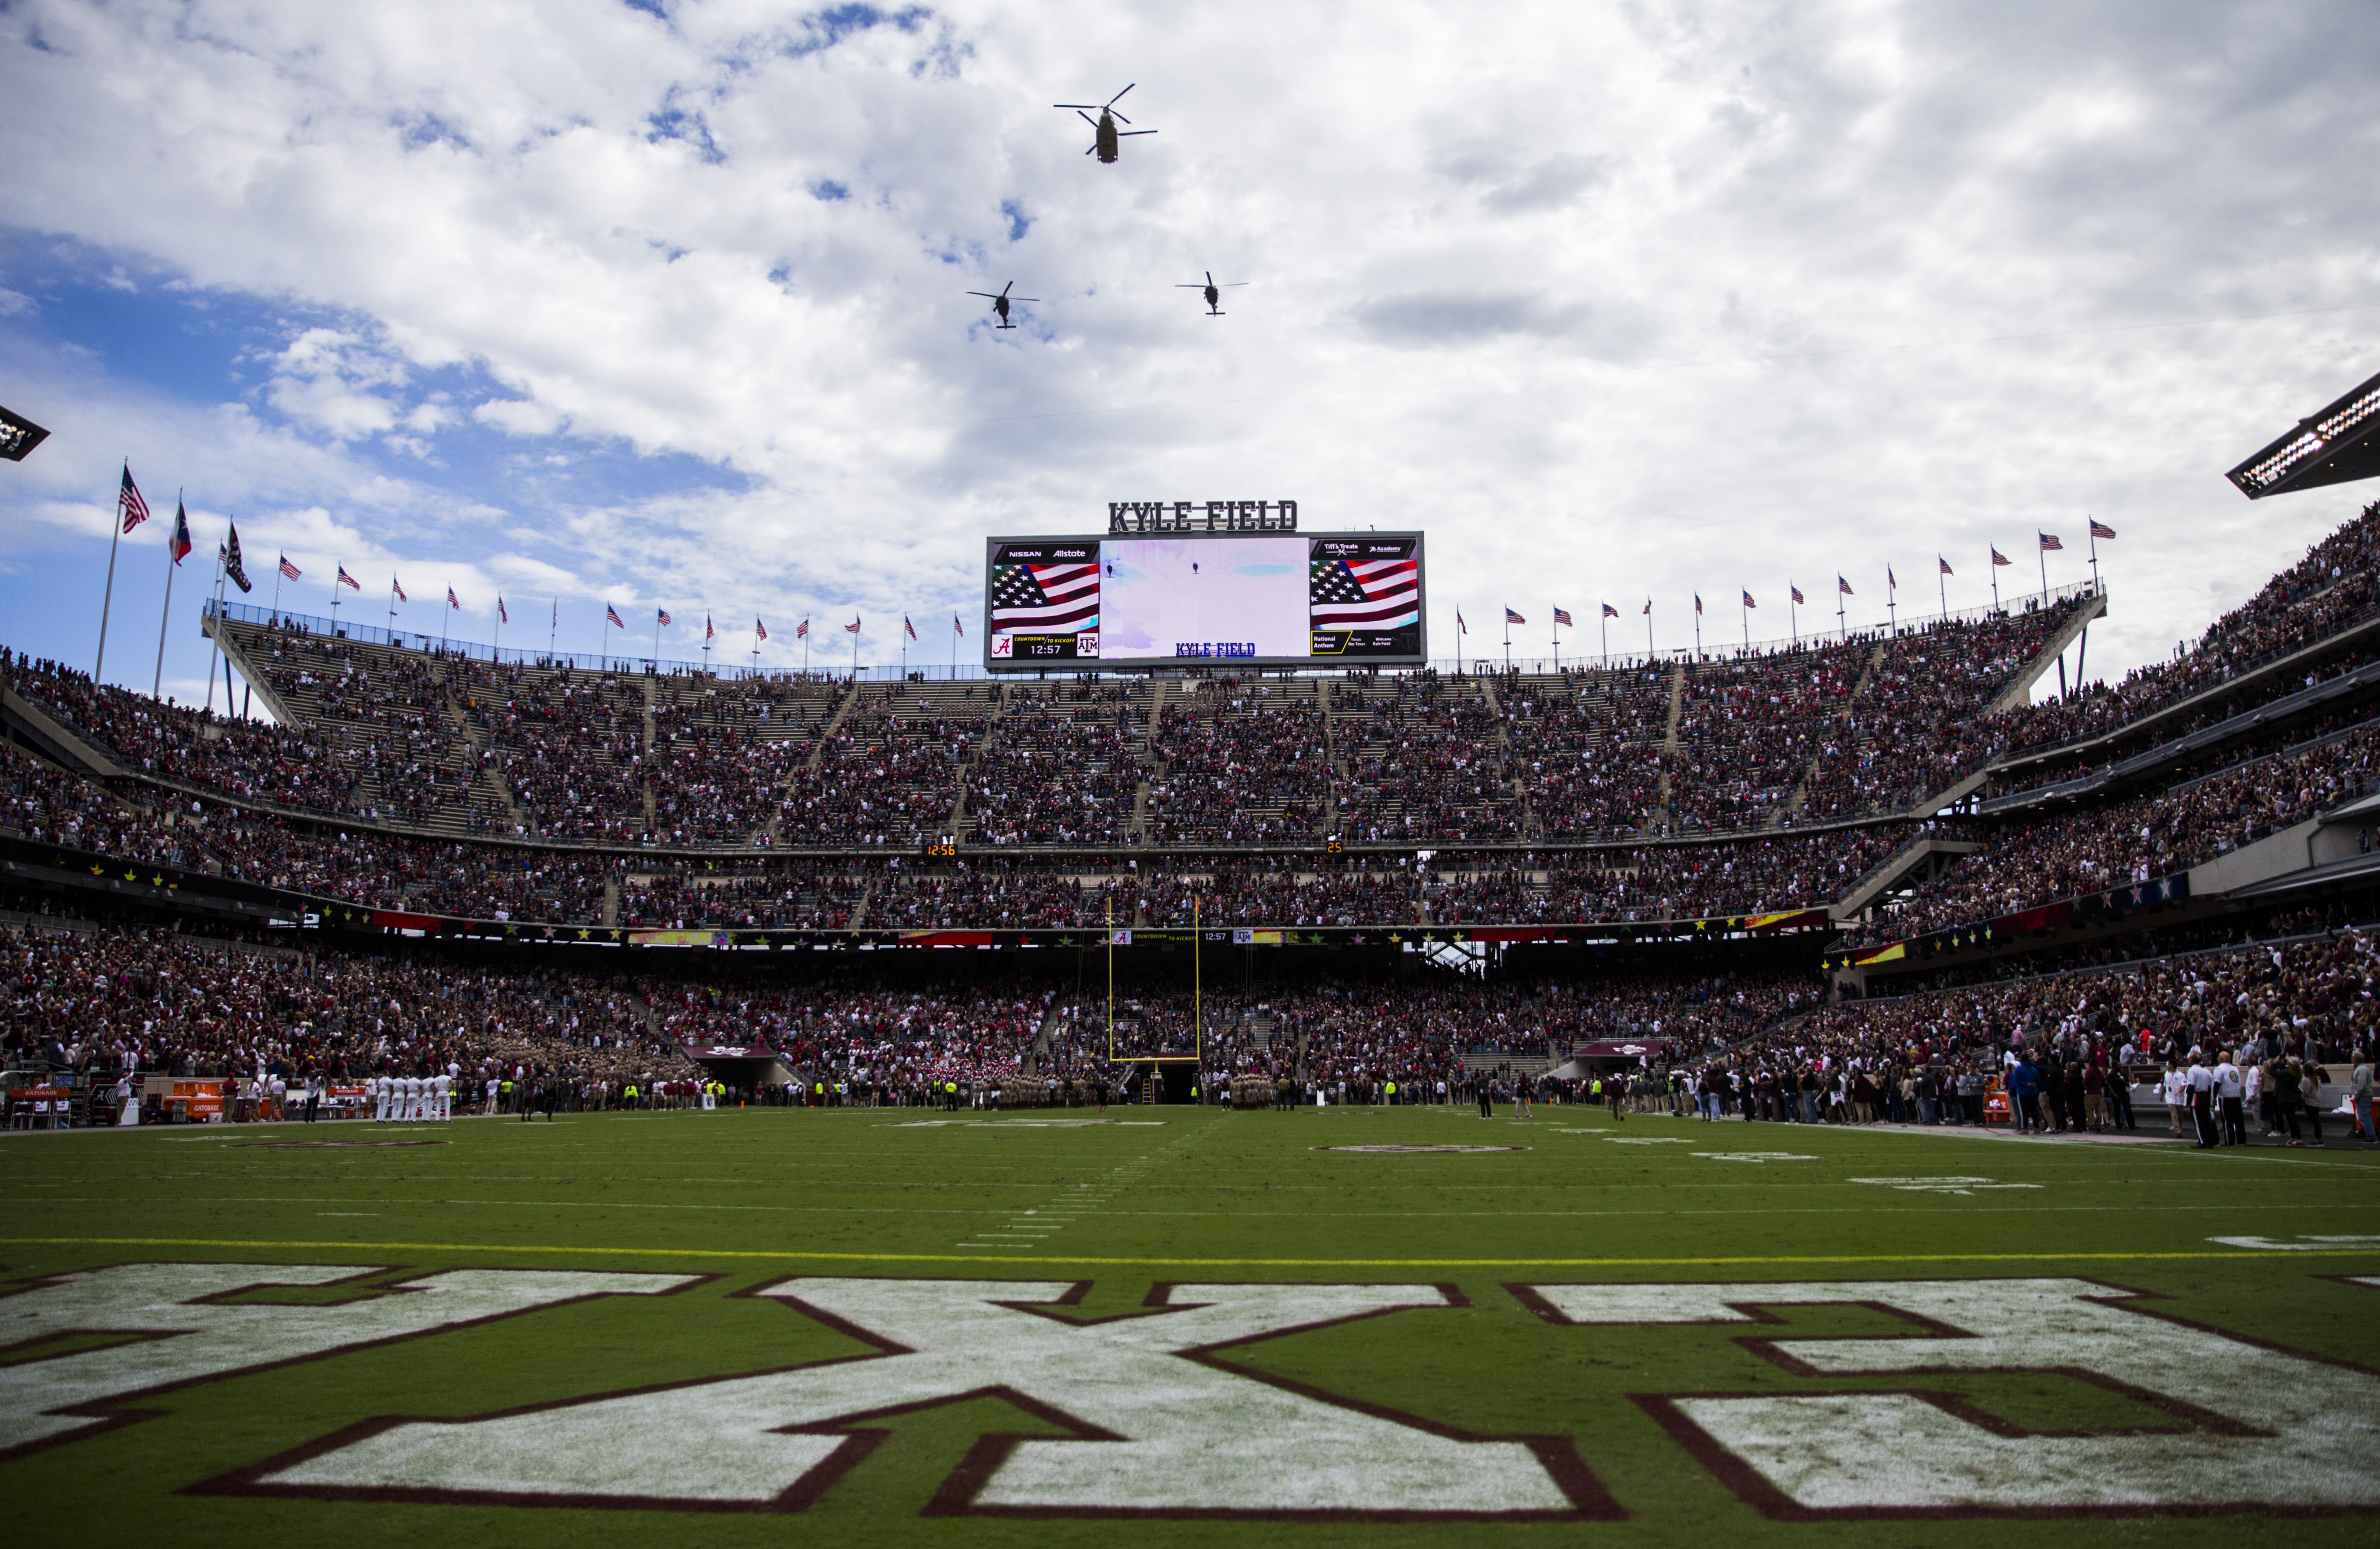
(1196, 1264)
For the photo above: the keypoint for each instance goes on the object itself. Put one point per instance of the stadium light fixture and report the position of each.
(2339, 443)
(19, 435)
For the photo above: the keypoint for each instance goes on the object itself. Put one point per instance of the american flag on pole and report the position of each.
(1797, 594)
(1610, 612)
(1561, 616)
(398, 587)
(906, 626)
(957, 628)
(1511, 617)
(2101, 530)
(1945, 564)
(1459, 627)
(852, 627)
(1998, 558)
(451, 601)
(290, 571)
(759, 630)
(1843, 586)
(1891, 582)
(1045, 599)
(1648, 607)
(128, 503)
(2050, 542)
(1363, 594)
(707, 630)
(348, 581)
(501, 617)
(1748, 603)
(660, 616)
(612, 616)
(1698, 604)
(802, 630)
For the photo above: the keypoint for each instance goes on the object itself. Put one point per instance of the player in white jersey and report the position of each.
(378, 1085)
(416, 1094)
(442, 1105)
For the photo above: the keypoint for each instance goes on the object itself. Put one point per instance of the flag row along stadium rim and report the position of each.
(1487, 660)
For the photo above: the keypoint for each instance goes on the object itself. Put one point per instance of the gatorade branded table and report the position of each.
(40, 1108)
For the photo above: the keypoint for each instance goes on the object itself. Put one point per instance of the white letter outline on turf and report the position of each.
(1157, 1425)
(181, 1329)
(2269, 1429)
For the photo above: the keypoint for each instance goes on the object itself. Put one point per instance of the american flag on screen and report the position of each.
(1047, 599)
(1367, 594)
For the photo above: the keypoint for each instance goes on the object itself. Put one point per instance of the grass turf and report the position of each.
(1154, 1195)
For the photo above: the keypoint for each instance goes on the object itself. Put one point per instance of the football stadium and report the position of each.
(1231, 1051)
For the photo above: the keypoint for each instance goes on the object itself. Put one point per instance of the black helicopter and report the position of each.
(1214, 292)
(1106, 134)
(999, 303)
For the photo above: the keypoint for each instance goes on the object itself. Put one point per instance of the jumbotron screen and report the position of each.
(1256, 599)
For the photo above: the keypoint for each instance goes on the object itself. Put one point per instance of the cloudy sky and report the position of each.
(664, 303)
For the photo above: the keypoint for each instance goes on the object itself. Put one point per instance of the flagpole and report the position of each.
(1698, 624)
(1648, 631)
(1557, 638)
(392, 608)
(496, 651)
(2041, 558)
(657, 639)
(1744, 612)
(1793, 609)
(1508, 641)
(2093, 524)
(855, 653)
(215, 645)
(107, 598)
(1892, 603)
(1996, 584)
(1943, 587)
(553, 624)
(442, 619)
(1842, 620)
(337, 570)
(1605, 621)
(276, 589)
(158, 682)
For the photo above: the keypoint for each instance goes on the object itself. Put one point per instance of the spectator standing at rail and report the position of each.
(2025, 1095)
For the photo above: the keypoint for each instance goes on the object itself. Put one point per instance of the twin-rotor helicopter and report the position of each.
(1107, 144)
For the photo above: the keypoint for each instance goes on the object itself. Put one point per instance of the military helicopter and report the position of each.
(1103, 141)
(999, 303)
(1214, 292)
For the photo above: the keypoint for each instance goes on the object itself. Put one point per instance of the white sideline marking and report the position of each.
(1756, 1157)
(1939, 1185)
(2303, 1245)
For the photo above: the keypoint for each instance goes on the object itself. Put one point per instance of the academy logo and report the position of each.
(1178, 1432)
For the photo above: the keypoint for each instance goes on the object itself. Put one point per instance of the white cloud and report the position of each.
(1611, 302)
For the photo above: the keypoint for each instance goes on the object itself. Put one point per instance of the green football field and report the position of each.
(1172, 1325)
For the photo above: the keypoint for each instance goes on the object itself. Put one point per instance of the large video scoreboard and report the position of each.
(1256, 599)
